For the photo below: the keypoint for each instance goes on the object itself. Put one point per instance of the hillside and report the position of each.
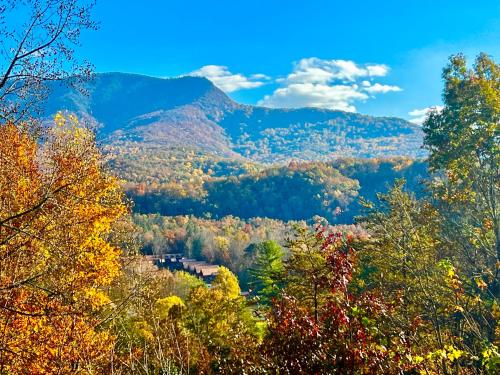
(139, 111)
(298, 191)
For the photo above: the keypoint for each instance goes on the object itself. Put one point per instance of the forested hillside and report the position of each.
(183, 147)
(297, 191)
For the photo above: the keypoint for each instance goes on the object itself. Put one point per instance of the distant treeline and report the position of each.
(297, 191)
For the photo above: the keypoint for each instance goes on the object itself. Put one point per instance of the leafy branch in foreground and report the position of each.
(57, 208)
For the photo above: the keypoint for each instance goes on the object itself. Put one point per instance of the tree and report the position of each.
(227, 283)
(219, 317)
(306, 270)
(150, 327)
(38, 39)
(347, 332)
(57, 209)
(267, 270)
(464, 144)
(407, 258)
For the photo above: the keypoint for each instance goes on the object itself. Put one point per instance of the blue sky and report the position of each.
(374, 57)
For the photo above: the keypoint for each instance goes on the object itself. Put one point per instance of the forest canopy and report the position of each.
(297, 191)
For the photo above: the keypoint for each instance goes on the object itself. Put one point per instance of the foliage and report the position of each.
(57, 209)
(407, 258)
(463, 140)
(277, 192)
(180, 172)
(267, 270)
(464, 144)
(295, 192)
(201, 330)
(220, 317)
(377, 175)
(180, 182)
(229, 241)
(340, 332)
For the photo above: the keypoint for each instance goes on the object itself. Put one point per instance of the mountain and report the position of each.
(134, 110)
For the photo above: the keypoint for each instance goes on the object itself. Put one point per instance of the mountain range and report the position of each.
(191, 112)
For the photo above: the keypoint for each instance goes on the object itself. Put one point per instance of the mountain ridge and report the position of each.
(193, 112)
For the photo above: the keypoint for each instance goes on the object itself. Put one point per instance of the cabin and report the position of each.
(176, 262)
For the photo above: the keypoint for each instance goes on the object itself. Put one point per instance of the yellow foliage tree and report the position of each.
(219, 315)
(227, 283)
(57, 207)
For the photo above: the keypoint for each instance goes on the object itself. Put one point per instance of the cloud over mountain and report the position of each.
(227, 81)
(157, 113)
(332, 84)
(298, 95)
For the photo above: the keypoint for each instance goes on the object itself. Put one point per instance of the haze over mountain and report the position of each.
(192, 112)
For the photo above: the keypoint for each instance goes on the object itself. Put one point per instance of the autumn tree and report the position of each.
(407, 257)
(57, 208)
(150, 325)
(306, 270)
(464, 144)
(347, 331)
(220, 318)
(464, 154)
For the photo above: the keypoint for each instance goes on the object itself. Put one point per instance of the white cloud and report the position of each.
(318, 70)
(332, 84)
(377, 88)
(377, 70)
(418, 116)
(314, 95)
(227, 81)
(260, 76)
(310, 75)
